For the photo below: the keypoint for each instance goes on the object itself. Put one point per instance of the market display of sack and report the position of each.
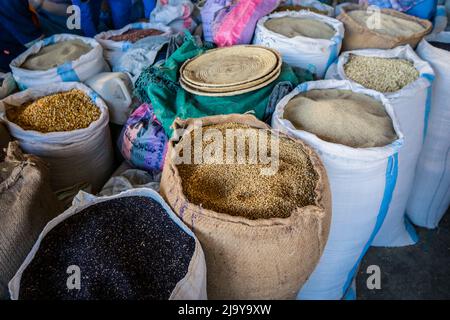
(382, 29)
(235, 22)
(59, 58)
(143, 141)
(430, 196)
(7, 84)
(160, 87)
(310, 5)
(305, 39)
(155, 257)
(362, 179)
(75, 157)
(239, 236)
(26, 205)
(176, 14)
(411, 101)
(196, 153)
(134, 47)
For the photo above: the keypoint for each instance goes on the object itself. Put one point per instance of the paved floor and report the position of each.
(414, 272)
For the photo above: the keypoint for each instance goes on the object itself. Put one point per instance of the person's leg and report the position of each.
(17, 19)
(89, 11)
(120, 12)
(149, 5)
(10, 48)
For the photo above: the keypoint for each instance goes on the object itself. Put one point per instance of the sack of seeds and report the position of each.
(369, 27)
(140, 41)
(59, 58)
(262, 222)
(80, 255)
(66, 124)
(430, 196)
(305, 39)
(405, 80)
(26, 205)
(356, 133)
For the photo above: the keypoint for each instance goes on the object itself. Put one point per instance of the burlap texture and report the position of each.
(253, 259)
(26, 205)
(358, 36)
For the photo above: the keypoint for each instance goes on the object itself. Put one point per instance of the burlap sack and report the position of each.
(26, 205)
(358, 36)
(253, 259)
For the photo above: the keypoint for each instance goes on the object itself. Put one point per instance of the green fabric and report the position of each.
(159, 86)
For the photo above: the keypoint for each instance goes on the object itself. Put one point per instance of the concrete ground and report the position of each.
(421, 271)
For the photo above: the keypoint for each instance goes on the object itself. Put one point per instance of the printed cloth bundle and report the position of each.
(143, 141)
(231, 22)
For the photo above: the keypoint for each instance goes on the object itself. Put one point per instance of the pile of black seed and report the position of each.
(126, 248)
(441, 45)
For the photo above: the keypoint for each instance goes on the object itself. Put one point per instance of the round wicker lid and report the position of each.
(197, 91)
(231, 66)
(242, 86)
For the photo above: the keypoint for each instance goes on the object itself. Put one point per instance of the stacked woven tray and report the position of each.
(230, 71)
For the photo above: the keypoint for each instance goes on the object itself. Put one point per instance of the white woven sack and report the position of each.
(8, 84)
(411, 105)
(191, 287)
(430, 196)
(75, 157)
(119, 53)
(314, 55)
(362, 181)
(78, 70)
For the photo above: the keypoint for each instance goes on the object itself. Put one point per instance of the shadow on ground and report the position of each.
(421, 271)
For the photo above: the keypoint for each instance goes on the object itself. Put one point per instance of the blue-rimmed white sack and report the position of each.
(362, 181)
(78, 70)
(125, 56)
(430, 196)
(76, 158)
(314, 55)
(412, 106)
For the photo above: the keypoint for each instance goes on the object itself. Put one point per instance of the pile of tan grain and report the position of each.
(386, 24)
(56, 54)
(241, 189)
(381, 74)
(292, 27)
(342, 116)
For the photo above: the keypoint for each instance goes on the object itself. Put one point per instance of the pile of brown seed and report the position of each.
(65, 111)
(241, 189)
(135, 35)
(380, 74)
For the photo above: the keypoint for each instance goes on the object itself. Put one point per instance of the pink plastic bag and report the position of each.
(235, 24)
